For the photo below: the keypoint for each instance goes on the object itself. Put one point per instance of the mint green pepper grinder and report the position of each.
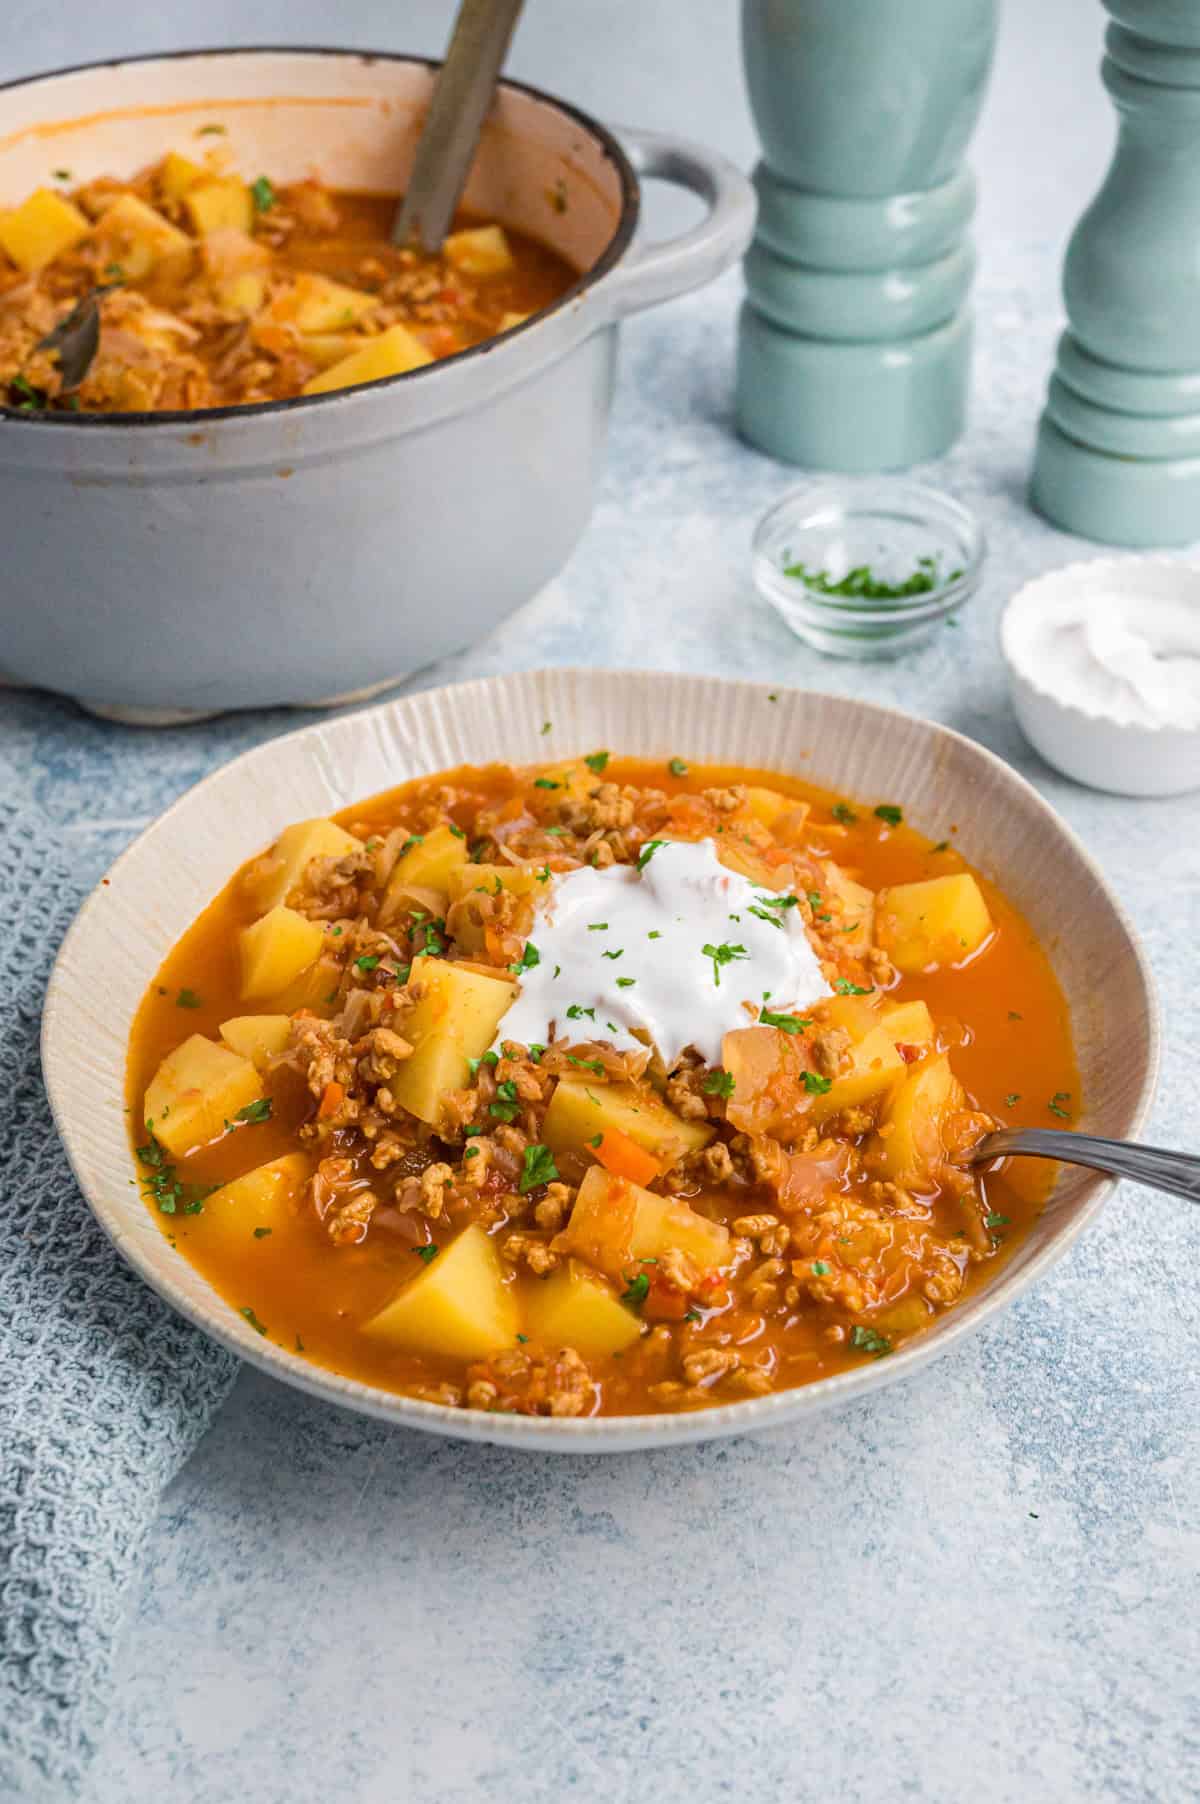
(1118, 450)
(854, 343)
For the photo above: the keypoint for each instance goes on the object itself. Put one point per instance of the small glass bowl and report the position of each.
(891, 528)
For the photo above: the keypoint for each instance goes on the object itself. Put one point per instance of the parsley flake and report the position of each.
(677, 767)
(187, 999)
(820, 1269)
(638, 1291)
(889, 814)
(426, 1254)
(869, 1340)
(539, 1168)
(258, 1327)
(596, 761)
(844, 987)
(647, 852)
(816, 1085)
(787, 1024)
(724, 954)
(719, 1083)
(263, 195)
(626, 983)
(842, 811)
(258, 1110)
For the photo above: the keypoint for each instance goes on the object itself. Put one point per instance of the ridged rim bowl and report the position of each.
(158, 886)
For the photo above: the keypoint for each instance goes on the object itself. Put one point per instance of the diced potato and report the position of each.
(315, 304)
(615, 1224)
(137, 238)
(938, 922)
(908, 1145)
(221, 201)
(242, 294)
(579, 1111)
(429, 861)
(858, 1015)
(195, 1091)
(277, 949)
(519, 880)
(908, 1023)
(768, 805)
(262, 1199)
(458, 1307)
(575, 1308)
(391, 353)
(271, 877)
(857, 911)
(874, 1068)
(256, 1037)
(179, 174)
(41, 229)
(479, 251)
(747, 862)
(454, 1020)
(509, 319)
(328, 348)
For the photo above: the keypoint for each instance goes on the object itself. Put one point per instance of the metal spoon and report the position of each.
(1176, 1173)
(461, 98)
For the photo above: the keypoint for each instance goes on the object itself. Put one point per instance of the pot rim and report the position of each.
(174, 417)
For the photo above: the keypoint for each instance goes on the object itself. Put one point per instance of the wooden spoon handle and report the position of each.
(461, 98)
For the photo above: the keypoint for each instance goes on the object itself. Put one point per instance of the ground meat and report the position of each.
(558, 1384)
(606, 806)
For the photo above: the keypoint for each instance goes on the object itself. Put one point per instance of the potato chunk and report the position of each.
(579, 1111)
(195, 1091)
(615, 1224)
(459, 1306)
(857, 907)
(41, 229)
(223, 201)
(874, 1068)
(908, 1023)
(454, 1020)
(517, 879)
(909, 1147)
(938, 922)
(575, 1308)
(315, 304)
(134, 236)
(429, 862)
(270, 878)
(479, 251)
(179, 174)
(256, 1037)
(261, 1200)
(276, 950)
(392, 353)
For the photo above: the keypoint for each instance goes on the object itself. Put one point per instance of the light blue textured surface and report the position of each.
(982, 1584)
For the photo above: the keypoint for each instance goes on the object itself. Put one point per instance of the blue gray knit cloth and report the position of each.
(103, 1392)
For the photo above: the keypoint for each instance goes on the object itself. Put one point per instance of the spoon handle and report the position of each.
(1176, 1173)
(461, 98)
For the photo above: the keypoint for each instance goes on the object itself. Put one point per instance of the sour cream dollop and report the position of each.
(677, 949)
(1134, 657)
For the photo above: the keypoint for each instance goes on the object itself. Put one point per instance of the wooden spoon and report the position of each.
(461, 98)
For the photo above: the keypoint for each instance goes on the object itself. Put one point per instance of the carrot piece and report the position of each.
(625, 1158)
(331, 1101)
(664, 1303)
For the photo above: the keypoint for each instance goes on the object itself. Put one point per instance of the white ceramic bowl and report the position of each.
(161, 883)
(1103, 750)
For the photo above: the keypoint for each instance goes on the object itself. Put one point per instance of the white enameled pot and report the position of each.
(160, 566)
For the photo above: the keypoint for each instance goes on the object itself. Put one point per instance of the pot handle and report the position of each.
(650, 273)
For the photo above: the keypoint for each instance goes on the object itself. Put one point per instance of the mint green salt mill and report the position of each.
(854, 342)
(1118, 450)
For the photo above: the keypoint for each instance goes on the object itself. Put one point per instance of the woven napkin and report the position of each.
(103, 1392)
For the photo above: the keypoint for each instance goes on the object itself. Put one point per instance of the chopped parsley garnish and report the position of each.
(262, 194)
(457, 831)
(677, 767)
(596, 1140)
(844, 987)
(414, 839)
(367, 963)
(545, 727)
(1013, 1097)
(889, 813)
(258, 1327)
(995, 1221)
(597, 926)
(543, 875)
(426, 1254)
(576, 1012)
(473, 1127)
(820, 1269)
(539, 1168)
(1055, 1104)
(553, 832)
(596, 761)
(763, 915)
(592, 1065)
(724, 954)
(842, 811)
(546, 783)
(504, 1111)
(187, 999)
(62, 175)
(261, 1233)
(616, 954)
(862, 584)
(638, 1291)
(647, 852)
(943, 845)
(786, 901)
(529, 958)
(258, 1110)
(1014, 1016)
(508, 1089)
(816, 1085)
(869, 1340)
(31, 398)
(162, 1185)
(787, 1024)
(626, 983)
(654, 934)
(719, 1083)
